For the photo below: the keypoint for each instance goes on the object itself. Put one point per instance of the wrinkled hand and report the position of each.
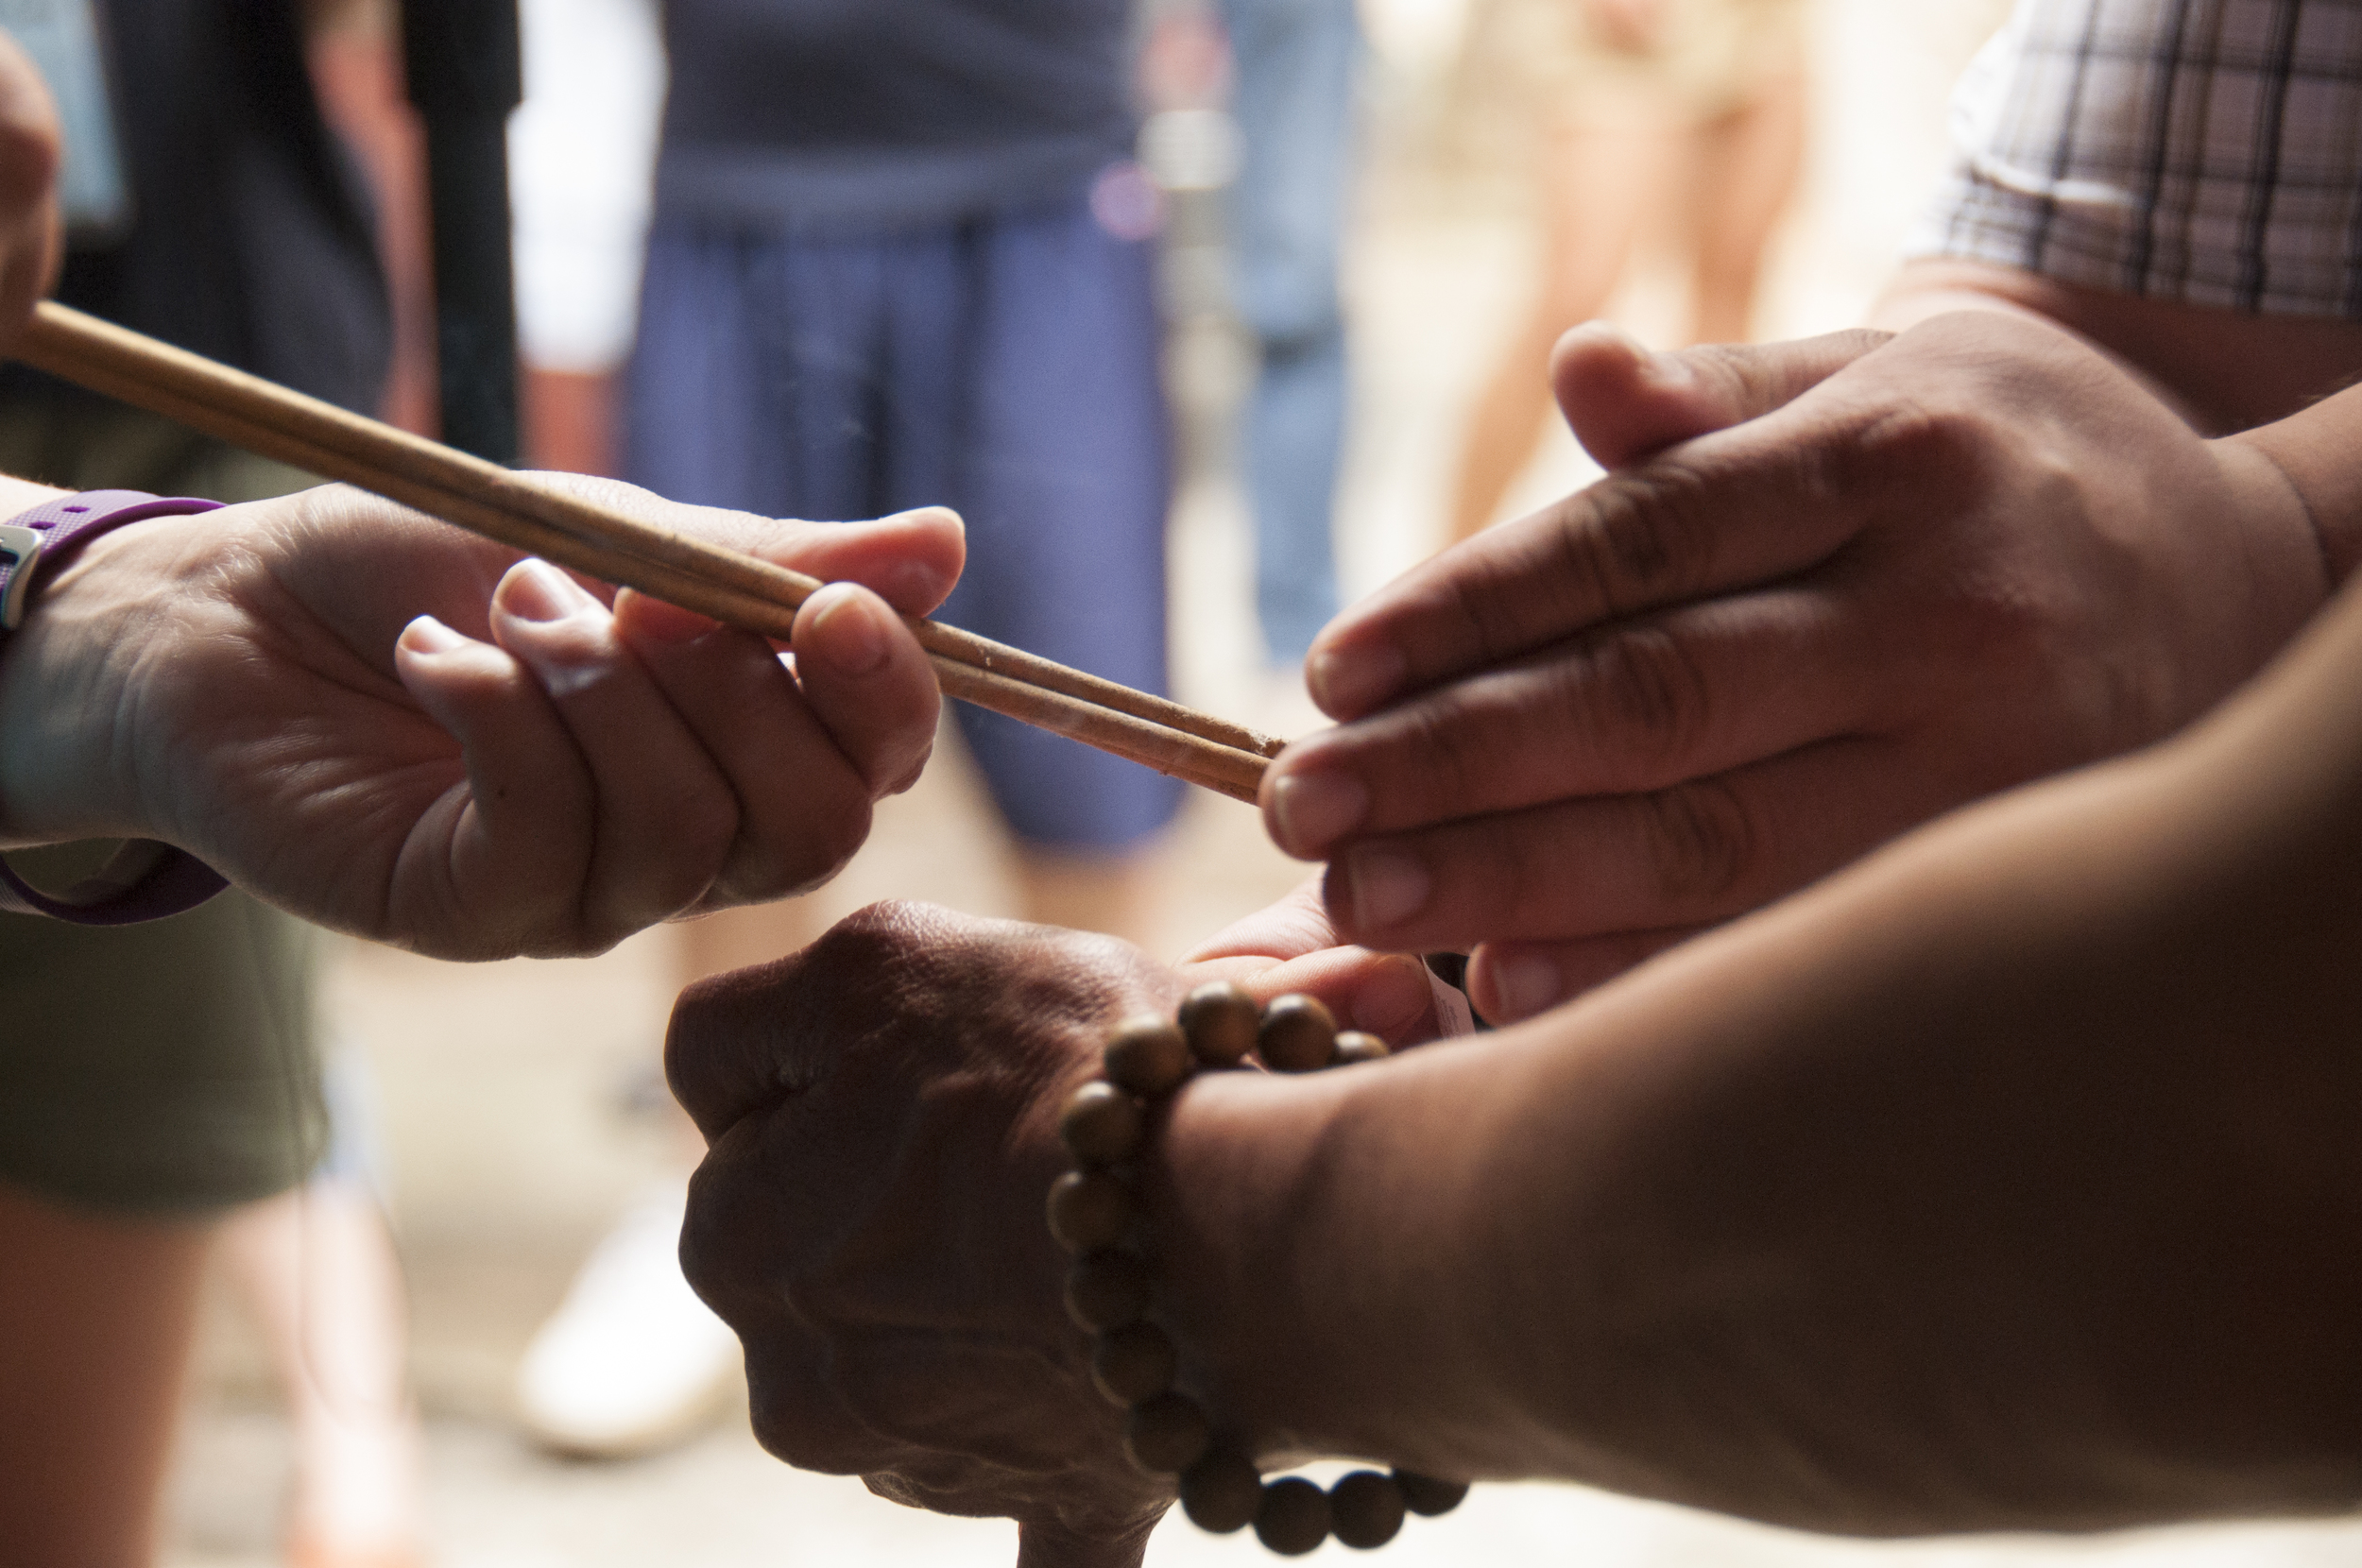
(401, 731)
(882, 1115)
(31, 146)
(1891, 576)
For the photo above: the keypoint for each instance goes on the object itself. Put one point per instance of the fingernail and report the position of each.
(429, 636)
(846, 636)
(1389, 885)
(1527, 984)
(535, 591)
(1312, 809)
(913, 584)
(1348, 682)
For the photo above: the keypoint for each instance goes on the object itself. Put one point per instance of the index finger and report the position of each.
(1733, 509)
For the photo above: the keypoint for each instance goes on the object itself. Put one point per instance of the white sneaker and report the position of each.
(632, 1362)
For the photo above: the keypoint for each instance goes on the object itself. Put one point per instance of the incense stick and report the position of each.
(603, 541)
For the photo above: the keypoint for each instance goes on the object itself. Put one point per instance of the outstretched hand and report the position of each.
(1828, 590)
(881, 1114)
(401, 731)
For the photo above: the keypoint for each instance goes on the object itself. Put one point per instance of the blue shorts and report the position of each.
(1006, 367)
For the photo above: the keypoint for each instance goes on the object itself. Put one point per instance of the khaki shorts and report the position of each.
(171, 1066)
(1714, 57)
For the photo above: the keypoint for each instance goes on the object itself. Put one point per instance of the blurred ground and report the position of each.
(501, 1086)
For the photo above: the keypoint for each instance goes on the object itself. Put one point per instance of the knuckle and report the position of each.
(1444, 753)
(1933, 441)
(709, 1247)
(873, 941)
(798, 1426)
(1700, 838)
(1751, 382)
(1463, 604)
(1643, 686)
(1642, 536)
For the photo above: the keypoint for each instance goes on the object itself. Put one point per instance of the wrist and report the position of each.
(2317, 455)
(65, 687)
(1306, 1324)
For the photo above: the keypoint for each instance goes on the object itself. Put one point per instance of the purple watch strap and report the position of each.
(144, 880)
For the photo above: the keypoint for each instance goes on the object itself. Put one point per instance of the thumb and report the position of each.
(1626, 404)
(1047, 1543)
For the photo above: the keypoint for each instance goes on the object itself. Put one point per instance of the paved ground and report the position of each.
(723, 1503)
(500, 1086)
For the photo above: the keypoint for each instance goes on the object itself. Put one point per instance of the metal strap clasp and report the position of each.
(22, 546)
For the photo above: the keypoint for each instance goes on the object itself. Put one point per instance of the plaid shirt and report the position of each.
(2206, 152)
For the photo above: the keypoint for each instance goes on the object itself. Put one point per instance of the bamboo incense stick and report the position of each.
(604, 542)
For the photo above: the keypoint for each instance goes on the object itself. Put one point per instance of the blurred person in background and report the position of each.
(211, 203)
(1296, 65)
(901, 256)
(1644, 107)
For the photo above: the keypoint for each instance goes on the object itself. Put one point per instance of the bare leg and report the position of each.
(631, 1361)
(318, 1270)
(1600, 178)
(1747, 169)
(96, 1318)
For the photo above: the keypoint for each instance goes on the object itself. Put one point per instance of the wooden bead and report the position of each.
(1106, 1290)
(1101, 1124)
(1352, 1046)
(1220, 1019)
(1222, 1493)
(1293, 1518)
(1089, 1210)
(1365, 1509)
(1298, 1035)
(1426, 1495)
(1168, 1434)
(1133, 1363)
(1149, 1056)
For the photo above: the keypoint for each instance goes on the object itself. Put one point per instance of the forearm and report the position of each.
(2224, 370)
(2002, 1182)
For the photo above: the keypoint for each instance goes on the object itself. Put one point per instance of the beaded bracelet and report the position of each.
(1091, 1212)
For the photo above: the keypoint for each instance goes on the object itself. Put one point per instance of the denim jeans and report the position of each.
(1296, 65)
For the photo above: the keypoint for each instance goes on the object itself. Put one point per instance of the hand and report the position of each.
(1292, 946)
(31, 146)
(1894, 576)
(881, 1110)
(401, 731)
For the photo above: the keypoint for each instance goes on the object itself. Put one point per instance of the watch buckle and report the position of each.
(22, 546)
